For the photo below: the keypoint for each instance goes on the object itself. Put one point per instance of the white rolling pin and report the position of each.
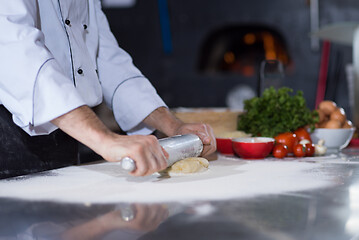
(178, 147)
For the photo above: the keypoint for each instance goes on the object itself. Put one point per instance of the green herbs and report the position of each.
(276, 112)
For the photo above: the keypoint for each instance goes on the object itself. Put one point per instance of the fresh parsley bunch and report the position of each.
(276, 111)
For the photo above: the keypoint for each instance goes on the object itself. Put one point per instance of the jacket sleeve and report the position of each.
(33, 87)
(130, 95)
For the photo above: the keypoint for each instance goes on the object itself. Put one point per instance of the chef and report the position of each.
(58, 58)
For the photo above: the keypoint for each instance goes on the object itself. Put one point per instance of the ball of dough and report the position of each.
(339, 115)
(322, 116)
(327, 107)
(333, 124)
(189, 165)
(348, 124)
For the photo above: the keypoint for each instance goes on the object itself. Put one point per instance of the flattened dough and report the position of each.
(189, 165)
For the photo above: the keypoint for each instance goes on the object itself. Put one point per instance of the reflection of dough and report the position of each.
(189, 165)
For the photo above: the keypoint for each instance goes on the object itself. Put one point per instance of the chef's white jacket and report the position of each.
(57, 55)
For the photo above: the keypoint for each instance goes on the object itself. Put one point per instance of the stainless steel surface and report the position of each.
(178, 147)
(330, 213)
(127, 213)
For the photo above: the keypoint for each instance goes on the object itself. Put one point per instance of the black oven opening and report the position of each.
(241, 49)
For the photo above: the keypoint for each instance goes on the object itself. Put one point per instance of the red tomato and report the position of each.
(302, 134)
(309, 149)
(299, 150)
(280, 150)
(289, 139)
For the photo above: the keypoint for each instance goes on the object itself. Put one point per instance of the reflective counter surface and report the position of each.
(329, 212)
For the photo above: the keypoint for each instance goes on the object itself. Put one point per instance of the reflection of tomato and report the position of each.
(289, 139)
(280, 150)
(302, 134)
(309, 149)
(299, 150)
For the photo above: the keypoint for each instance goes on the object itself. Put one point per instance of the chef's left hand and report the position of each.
(204, 132)
(164, 121)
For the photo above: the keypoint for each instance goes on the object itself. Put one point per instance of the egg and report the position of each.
(333, 124)
(348, 124)
(339, 115)
(327, 107)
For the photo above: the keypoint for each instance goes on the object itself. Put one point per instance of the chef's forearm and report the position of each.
(83, 125)
(164, 121)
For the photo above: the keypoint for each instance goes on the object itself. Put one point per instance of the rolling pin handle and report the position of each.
(128, 164)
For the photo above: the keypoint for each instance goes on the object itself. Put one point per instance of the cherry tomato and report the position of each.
(309, 149)
(302, 134)
(289, 139)
(280, 150)
(299, 150)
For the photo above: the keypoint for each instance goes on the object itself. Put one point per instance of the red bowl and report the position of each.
(224, 146)
(253, 147)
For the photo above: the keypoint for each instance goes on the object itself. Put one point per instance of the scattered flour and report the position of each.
(226, 179)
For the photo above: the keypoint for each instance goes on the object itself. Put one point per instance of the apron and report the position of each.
(22, 154)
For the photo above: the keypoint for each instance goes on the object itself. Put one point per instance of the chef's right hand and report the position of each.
(147, 153)
(83, 125)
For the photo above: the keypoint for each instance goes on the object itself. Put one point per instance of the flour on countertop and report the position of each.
(226, 179)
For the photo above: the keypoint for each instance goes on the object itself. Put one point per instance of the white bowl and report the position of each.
(335, 139)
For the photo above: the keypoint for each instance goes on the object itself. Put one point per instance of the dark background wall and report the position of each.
(176, 75)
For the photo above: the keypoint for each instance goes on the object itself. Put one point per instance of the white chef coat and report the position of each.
(57, 55)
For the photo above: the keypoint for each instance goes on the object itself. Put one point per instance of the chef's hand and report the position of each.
(163, 120)
(204, 132)
(83, 125)
(147, 153)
